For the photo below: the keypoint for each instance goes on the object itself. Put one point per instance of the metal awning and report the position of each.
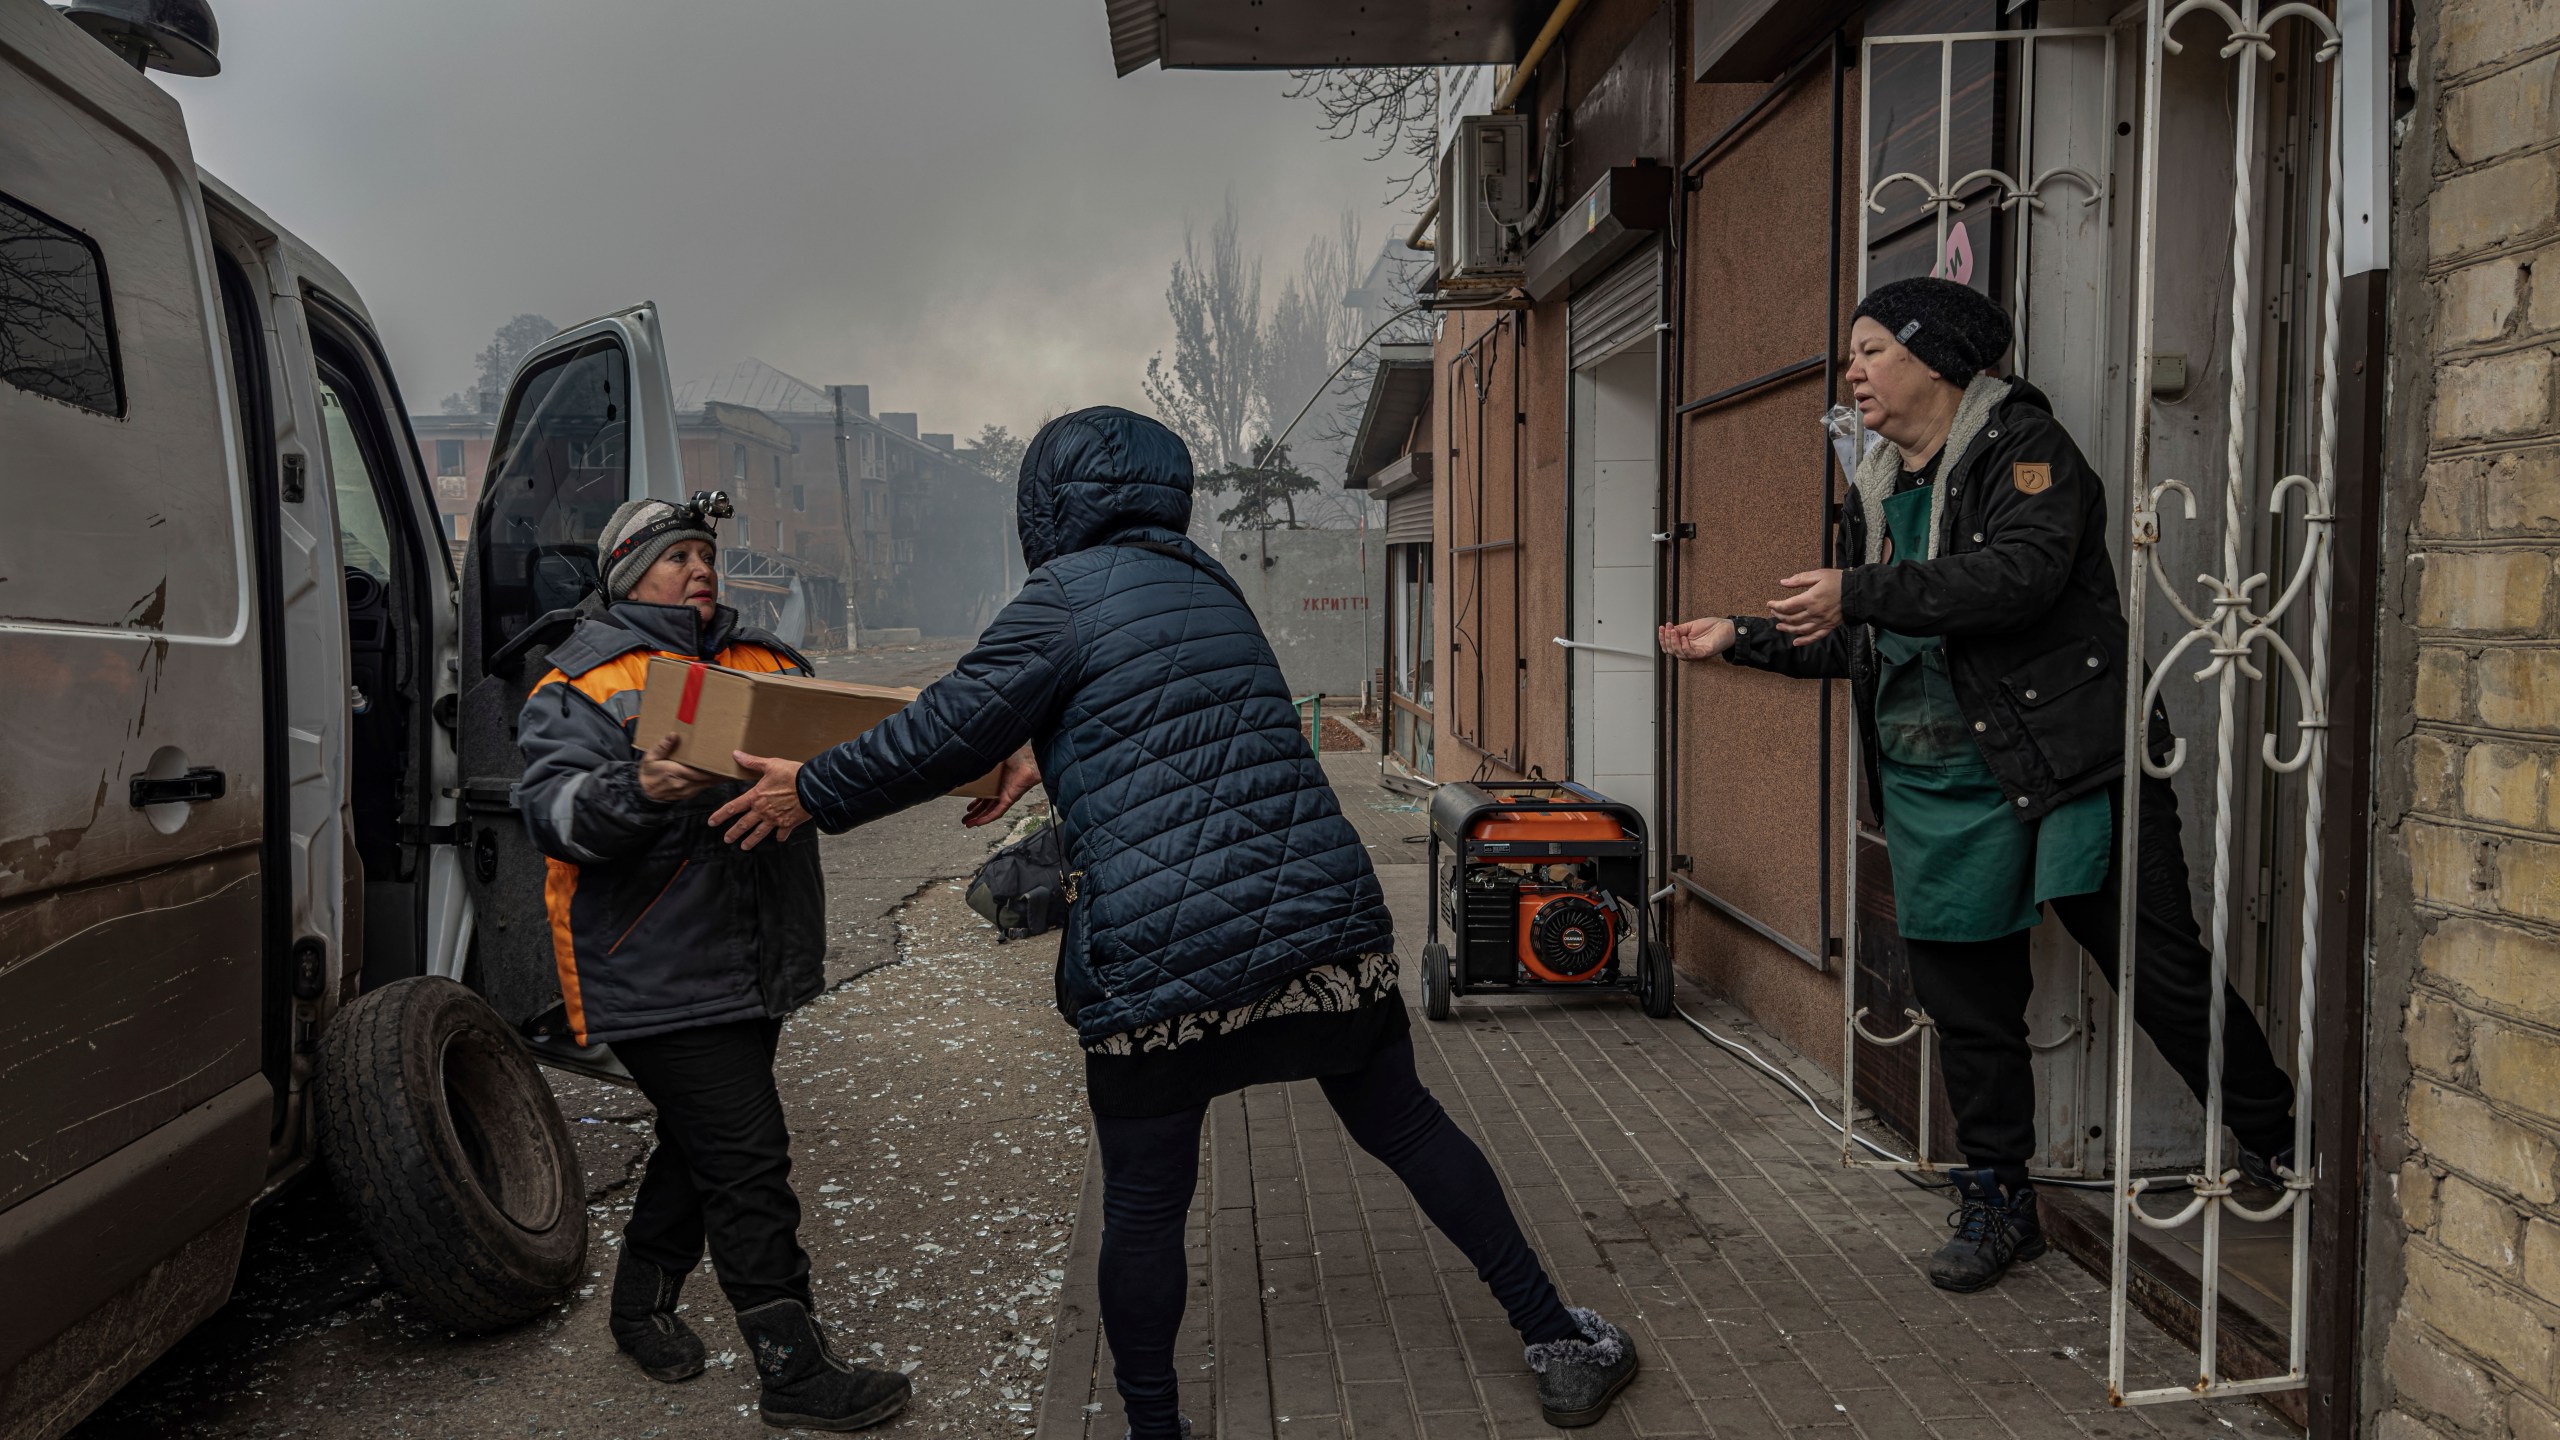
(1318, 34)
(1397, 393)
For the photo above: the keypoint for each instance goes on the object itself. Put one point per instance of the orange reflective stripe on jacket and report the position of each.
(618, 676)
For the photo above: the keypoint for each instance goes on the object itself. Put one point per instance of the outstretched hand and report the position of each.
(1814, 610)
(770, 807)
(1702, 639)
(1014, 779)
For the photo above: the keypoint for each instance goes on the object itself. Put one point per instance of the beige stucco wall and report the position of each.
(2466, 1003)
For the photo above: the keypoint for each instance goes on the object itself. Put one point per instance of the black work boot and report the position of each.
(2259, 1167)
(804, 1383)
(1995, 1228)
(1578, 1378)
(644, 1321)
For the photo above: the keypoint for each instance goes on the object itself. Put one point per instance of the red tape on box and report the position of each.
(692, 697)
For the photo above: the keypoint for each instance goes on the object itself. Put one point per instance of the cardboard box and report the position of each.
(715, 710)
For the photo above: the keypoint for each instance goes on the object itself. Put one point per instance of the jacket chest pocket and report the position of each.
(2075, 720)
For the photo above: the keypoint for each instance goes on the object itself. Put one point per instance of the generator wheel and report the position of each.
(442, 1138)
(1435, 981)
(1655, 971)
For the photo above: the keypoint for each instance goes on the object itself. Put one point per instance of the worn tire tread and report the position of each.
(386, 1172)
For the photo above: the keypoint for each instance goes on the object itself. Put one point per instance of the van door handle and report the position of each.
(196, 786)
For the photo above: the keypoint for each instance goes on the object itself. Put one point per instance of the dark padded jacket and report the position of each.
(1210, 859)
(657, 924)
(2021, 593)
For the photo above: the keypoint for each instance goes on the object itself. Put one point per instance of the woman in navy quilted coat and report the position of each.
(1224, 927)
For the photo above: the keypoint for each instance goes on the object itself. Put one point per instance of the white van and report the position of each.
(264, 898)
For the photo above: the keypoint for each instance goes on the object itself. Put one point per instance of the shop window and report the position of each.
(57, 334)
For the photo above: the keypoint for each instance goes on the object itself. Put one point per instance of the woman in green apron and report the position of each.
(1984, 643)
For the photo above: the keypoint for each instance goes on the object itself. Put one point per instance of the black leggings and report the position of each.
(1150, 1166)
(1977, 993)
(722, 1166)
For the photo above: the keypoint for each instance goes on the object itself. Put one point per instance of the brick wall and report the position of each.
(2468, 901)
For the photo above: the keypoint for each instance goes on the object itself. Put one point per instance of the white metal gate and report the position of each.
(2236, 632)
(2068, 179)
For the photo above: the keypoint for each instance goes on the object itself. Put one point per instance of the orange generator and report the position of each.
(1542, 887)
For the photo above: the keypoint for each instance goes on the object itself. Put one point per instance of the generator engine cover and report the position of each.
(1566, 935)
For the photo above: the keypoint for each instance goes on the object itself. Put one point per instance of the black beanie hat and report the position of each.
(1953, 329)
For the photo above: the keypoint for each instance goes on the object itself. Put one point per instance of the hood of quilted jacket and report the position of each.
(1096, 474)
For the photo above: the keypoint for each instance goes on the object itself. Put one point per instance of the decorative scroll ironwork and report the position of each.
(2236, 627)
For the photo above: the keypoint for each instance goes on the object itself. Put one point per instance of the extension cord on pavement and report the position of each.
(1755, 1059)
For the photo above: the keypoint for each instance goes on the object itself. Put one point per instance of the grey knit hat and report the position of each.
(1953, 329)
(639, 532)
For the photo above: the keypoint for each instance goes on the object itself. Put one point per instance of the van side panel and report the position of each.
(124, 1005)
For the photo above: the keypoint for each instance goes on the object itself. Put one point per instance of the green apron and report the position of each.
(1964, 866)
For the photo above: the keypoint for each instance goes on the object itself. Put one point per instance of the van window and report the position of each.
(563, 464)
(56, 336)
(364, 537)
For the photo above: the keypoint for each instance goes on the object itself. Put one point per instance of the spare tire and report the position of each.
(441, 1136)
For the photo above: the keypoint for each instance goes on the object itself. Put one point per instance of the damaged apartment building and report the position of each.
(2276, 267)
(847, 524)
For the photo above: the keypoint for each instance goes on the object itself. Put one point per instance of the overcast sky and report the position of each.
(954, 202)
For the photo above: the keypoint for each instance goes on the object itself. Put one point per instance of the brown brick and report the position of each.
(2444, 678)
(2542, 312)
(2435, 763)
(2529, 1421)
(2400, 1425)
(2474, 304)
(2519, 689)
(2542, 1257)
(2476, 1225)
(2416, 1191)
(2497, 966)
(2504, 783)
(2529, 880)
(2473, 33)
(2519, 1067)
(2469, 1136)
(2448, 866)
(2449, 505)
(2430, 1381)
(2520, 490)
(2483, 591)
(2490, 1321)
(2492, 206)
(2496, 395)
(2438, 1037)
(2502, 112)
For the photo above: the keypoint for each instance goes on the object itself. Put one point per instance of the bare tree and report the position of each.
(506, 350)
(1394, 109)
(1211, 393)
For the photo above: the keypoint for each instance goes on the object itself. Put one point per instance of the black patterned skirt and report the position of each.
(1324, 1021)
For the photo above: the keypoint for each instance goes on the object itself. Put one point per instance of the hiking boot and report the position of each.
(645, 1325)
(1994, 1230)
(1578, 1378)
(805, 1383)
(2259, 1167)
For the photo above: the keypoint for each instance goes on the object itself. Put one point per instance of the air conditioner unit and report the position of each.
(1484, 195)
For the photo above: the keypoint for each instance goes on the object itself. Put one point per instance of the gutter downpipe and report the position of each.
(1670, 343)
(1538, 49)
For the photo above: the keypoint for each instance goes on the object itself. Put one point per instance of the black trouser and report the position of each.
(1977, 993)
(1150, 1166)
(722, 1163)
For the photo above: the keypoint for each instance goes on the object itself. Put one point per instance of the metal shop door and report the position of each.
(1613, 522)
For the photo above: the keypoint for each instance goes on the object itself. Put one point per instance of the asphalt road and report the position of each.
(937, 1111)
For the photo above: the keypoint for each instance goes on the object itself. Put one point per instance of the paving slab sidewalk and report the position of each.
(1668, 1185)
